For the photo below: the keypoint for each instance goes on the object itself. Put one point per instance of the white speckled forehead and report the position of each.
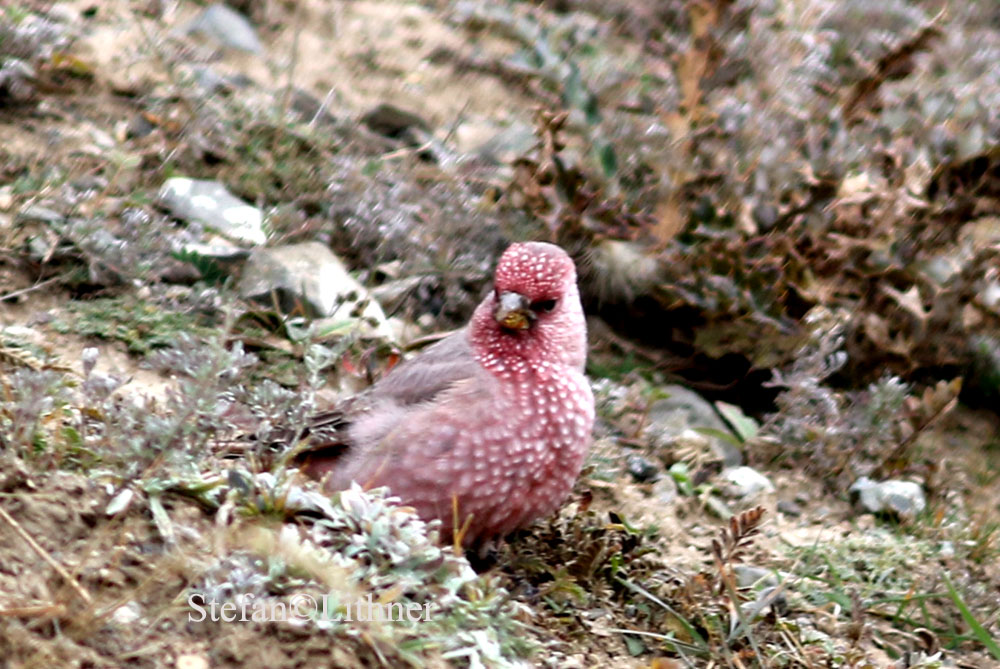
(536, 270)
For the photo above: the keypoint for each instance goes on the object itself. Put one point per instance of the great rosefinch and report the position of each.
(490, 425)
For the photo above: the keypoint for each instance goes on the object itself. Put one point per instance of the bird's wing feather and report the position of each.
(395, 438)
(416, 381)
(423, 377)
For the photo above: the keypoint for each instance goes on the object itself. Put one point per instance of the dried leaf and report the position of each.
(894, 65)
(669, 219)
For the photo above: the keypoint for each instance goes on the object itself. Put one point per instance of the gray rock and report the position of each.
(942, 267)
(209, 203)
(393, 294)
(309, 275)
(34, 213)
(683, 410)
(508, 144)
(772, 597)
(218, 248)
(21, 337)
(973, 236)
(764, 585)
(88, 183)
(120, 502)
(904, 499)
(765, 215)
(138, 127)
(989, 294)
(745, 481)
(411, 131)
(210, 81)
(39, 248)
(641, 469)
(226, 26)
(127, 614)
(392, 121)
(309, 108)
(6, 197)
(749, 575)
(789, 508)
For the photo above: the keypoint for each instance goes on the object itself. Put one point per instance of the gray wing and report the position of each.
(350, 429)
(433, 370)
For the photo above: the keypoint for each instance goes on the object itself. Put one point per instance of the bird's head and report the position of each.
(533, 313)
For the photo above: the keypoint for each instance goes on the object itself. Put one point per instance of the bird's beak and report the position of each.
(513, 311)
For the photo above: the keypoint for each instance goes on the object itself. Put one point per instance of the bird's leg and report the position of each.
(458, 534)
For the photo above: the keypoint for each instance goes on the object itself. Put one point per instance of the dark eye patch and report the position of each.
(543, 305)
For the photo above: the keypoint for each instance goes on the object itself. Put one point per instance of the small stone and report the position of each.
(89, 183)
(191, 662)
(6, 197)
(772, 597)
(218, 248)
(641, 469)
(684, 410)
(120, 502)
(127, 614)
(904, 499)
(226, 26)
(20, 333)
(209, 203)
(138, 127)
(34, 213)
(789, 508)
(311, 276)
(40, 248)
(942, 267)
(990, 295)
(504, 147)
(665, 490)
(391, 121)
(749, 575)
(745, 481)
(392, 294)
(209, 80)
(310, 109)
(765, 216)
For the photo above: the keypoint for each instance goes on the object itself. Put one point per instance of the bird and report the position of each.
(487, 429)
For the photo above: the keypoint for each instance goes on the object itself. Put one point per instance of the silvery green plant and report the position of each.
(843, 432)
(383, 550)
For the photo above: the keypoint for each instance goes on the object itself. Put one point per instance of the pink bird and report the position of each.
(489, 426)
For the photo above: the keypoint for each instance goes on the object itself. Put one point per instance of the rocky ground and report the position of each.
(221, 218)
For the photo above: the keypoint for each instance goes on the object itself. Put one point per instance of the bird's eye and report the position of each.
(543, 305)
